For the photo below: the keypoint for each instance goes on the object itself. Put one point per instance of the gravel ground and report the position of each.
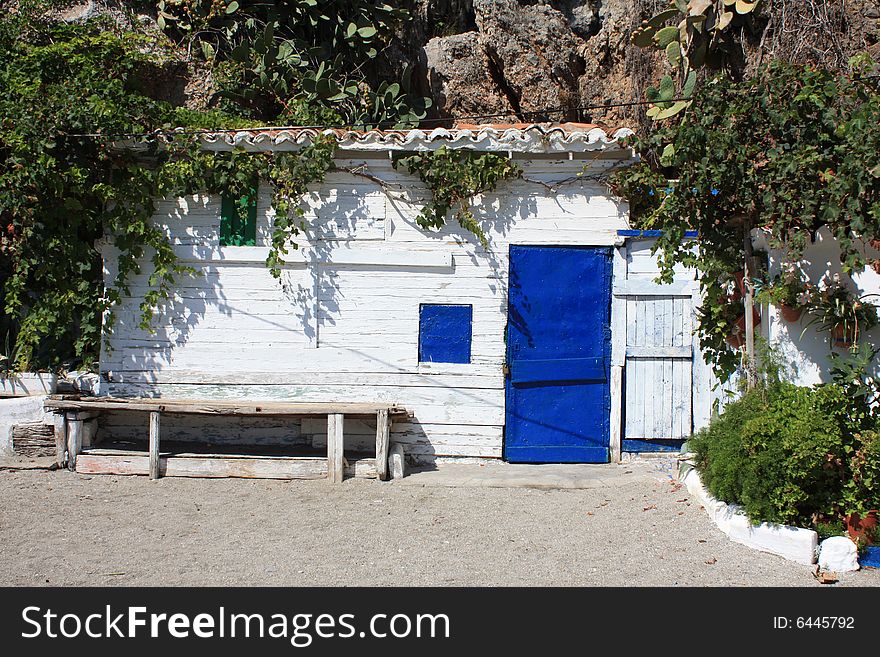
(60, 528)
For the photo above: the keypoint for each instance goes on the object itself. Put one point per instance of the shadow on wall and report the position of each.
(805, 349)
(226, 332)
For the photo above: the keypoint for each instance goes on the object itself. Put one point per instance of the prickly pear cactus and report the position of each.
(687, 32)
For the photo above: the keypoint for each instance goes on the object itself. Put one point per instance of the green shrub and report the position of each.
(786, 454)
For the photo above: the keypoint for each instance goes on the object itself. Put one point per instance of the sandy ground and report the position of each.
(60, 528)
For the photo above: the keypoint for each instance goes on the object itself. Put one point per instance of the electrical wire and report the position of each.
(378, 126)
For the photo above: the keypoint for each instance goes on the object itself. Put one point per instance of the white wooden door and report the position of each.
(662, 367)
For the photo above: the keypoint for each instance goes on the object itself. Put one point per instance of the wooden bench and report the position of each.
(73, 411)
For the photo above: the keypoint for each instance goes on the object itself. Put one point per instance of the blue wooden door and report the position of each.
(558, 355)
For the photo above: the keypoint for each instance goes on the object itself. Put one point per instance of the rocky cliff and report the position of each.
(558, 60)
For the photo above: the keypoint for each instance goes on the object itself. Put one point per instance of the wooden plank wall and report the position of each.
(331, 332)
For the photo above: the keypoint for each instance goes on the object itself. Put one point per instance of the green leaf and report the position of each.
(232, 7)
(662, 17)
(673, 53)
(665, 36)
(667, 88)
(241, 53)
(669, 112)
(643, 37)
(697, 7)
(697, 53)
(367, 32)
(724, 20)
(690, 82)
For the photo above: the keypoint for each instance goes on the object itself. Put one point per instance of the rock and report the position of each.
(582, 16)
(459, 77)
(523, 59)
(838, 554)
(872, 12)
(536, 59)
(84, 382)
(397, 462)
(78, 12)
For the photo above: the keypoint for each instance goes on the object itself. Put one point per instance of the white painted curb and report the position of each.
(792, 543)
(29, 384)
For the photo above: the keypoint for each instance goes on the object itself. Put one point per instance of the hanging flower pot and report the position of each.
(741, 322)
(844, 336)
(740, 290)
(735, 340)
(862, 528)
(789, 313)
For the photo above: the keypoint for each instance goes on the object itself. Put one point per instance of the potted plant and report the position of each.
(789, 291)
(727, 312)
(733, 316)
(839, 311)
(861, 491)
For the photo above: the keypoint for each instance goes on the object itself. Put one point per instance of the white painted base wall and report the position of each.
(28, 384)
(792, 543)
(19, 410)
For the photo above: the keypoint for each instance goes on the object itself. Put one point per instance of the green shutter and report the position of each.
(238, 220)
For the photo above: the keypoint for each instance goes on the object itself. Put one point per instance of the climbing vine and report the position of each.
(454, 178)
(85, 152)
(86, 149)
(788, 152)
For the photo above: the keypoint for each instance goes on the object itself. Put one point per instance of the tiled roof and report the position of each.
(516, 137)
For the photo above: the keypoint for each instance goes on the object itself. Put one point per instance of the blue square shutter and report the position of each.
(445, 333)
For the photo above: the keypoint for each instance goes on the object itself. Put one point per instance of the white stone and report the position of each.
(838, 554)
(86, 382)
(397, 462)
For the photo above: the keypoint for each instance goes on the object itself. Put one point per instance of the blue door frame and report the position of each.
(557, 392)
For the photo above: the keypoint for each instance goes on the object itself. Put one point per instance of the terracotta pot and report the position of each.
(741, 322)
(790, 314)
(735, 340)
(740, 290)
(843, 337)
(862, 529)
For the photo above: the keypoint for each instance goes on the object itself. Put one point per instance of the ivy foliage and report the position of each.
(454, 178)
(86, 150)
(789, 151)
(58, 193)
(295, 59)
(73, 171)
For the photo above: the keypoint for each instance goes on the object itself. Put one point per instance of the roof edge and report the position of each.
(517, 138)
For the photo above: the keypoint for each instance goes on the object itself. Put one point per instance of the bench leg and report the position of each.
(74, 439)
(335, 464)
(60, 440)
(154, 444)
(383, 431)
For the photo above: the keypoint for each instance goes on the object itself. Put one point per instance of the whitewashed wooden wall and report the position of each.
(342, 323)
